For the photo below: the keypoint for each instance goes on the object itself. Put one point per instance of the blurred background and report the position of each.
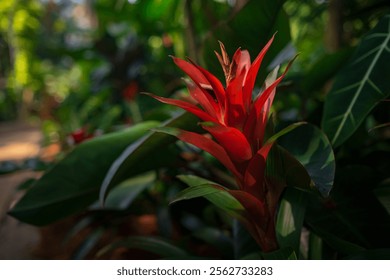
(71, 70)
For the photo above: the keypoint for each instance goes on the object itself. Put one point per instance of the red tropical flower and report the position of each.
(237, 122)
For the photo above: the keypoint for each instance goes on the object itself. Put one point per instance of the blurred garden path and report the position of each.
(18, 141)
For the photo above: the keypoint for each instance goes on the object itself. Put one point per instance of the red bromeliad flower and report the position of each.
(237, 122)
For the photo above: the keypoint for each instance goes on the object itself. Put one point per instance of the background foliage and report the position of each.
(78, 67)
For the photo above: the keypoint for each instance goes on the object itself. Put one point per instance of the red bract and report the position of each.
(237, 122)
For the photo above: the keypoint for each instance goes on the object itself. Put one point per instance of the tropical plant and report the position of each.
(319, 191)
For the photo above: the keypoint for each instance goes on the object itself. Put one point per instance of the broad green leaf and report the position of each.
(324, 69)
(284, 131)
(312, 149)
(25, 185)
(121, 197)
(290, 217)
(285, 170)
(282, 168)
(251, 32)
(155, 245)
(146, 150)
(73, 183)
(360, 85)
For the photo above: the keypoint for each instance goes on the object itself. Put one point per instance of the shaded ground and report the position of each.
(18, 141)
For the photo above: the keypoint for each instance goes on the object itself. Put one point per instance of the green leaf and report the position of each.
(147, 150)
(312, 149)
(284, 131)
(194, 181)
(212, 192)
(251, 32)
(285, 170)
(121, 197)
(315, 247)
(324, 69)
(359, 86)
(73, 183)
(158, 246)
(290, 218)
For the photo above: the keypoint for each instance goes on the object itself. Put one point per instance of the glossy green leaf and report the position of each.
(285, 170)
(360, 85)
(146, 150)
(290, 217)
(282, 168)
(211, 191)
(155, 245)
(284, 131)
(73, 183)
(310, 146)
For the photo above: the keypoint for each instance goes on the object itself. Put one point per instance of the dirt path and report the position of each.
(18, 141)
